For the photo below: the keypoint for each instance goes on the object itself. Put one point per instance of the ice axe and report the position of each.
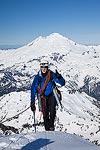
(34, 121)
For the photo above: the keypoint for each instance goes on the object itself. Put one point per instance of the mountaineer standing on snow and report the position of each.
(43, 85)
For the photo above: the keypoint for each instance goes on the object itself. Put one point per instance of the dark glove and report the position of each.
(58, 75)
(33, 108)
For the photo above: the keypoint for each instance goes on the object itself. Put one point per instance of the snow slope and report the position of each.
(45, 141)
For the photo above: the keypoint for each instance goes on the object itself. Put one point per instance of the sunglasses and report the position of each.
(44, 66)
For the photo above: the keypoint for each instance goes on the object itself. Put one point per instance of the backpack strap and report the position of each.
(48, 77)
(41, 98)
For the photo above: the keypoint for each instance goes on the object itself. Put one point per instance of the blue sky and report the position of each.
(21, 21)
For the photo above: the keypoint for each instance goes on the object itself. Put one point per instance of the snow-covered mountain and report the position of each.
(80, 66)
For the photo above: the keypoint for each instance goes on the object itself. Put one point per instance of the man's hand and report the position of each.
(33, 108)
(58, 75)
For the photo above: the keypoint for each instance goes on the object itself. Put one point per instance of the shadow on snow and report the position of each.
(37, 144)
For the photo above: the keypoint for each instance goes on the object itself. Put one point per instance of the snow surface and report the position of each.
(45, 141)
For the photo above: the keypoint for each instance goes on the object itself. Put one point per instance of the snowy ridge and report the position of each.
(79, 65)
(45, 140)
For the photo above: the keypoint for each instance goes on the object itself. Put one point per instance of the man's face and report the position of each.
(44, 69)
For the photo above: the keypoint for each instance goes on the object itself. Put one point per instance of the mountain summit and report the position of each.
(54, 37)
(42, 46)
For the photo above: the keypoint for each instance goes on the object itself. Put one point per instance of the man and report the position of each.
(43, 85)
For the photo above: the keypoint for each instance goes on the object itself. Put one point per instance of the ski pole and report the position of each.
(34, 121)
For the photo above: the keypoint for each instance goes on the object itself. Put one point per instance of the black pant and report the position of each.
(49, 112)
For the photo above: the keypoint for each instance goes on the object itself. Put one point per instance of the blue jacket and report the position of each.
(39, 79)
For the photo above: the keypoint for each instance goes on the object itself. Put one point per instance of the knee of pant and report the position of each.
(52, 115)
